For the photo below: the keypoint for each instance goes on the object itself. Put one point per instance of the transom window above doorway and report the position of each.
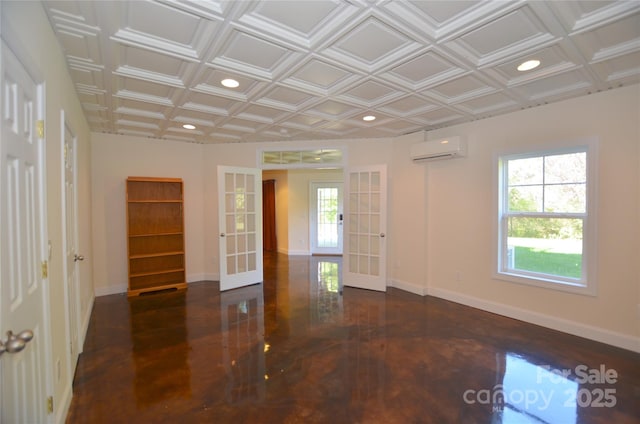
(313, 158)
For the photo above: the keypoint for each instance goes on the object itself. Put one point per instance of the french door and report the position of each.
(240, 224)
(366, 257)
(326, 218)
(23, 255)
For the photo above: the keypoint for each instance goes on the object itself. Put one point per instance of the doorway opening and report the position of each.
(326, 218)
(307, 223)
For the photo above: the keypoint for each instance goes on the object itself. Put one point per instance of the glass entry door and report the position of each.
(326, 218)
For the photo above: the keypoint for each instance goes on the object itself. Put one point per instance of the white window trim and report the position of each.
(589, 252)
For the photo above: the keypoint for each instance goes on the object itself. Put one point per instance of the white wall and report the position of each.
(460, 213)
(26, 28)
(408, 259)
(115, 158)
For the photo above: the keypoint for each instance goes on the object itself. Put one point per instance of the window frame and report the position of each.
(587, 285)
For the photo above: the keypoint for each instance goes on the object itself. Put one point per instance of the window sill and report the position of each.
(558, 285)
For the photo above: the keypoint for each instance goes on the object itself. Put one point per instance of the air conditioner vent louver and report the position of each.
(446, 148)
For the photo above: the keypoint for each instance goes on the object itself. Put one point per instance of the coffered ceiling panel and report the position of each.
(427, 68)
(318, 76)
(307, 70)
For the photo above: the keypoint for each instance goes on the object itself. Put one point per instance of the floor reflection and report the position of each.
(532, 393)
(156, 342)
(365, 314)
(325, 289)
(243, 343)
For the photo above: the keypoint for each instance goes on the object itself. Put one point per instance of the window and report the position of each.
(545, 219)
(288, 159)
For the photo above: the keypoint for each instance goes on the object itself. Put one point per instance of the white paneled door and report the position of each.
(366, 247)
(73, 258)
(23, 266)
(240, 225)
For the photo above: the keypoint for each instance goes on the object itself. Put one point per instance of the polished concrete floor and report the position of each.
(300, 349)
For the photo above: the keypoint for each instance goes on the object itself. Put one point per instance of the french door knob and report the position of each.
(382, 235)
(77, 258)
(222, 234)
(15, 342)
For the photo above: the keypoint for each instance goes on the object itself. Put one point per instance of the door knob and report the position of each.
(77, 258)
(382, 235)
(16, 342)
(222, 234)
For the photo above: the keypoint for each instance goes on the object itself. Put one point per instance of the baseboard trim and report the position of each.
(85, 323)
(577, 329)
(122, 288)
(106, 291)
(211, 277)
(192, 278)
(408, 287)
(63, 406)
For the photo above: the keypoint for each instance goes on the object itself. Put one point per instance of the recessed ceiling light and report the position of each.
(444, 142)
(230, 83)
(528, 65)
(369, 118)
(189, 127)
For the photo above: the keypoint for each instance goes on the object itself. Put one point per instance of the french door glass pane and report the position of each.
(228, 183)
(231, 244)
(353, 263)
(363, 264)
(327, 219)
(231, 224)
(353, 243)
(364, 182)
(364, 244)
(353, 183)
(374, 266)
(375, 181)
(251, 202)
(242, 263)
(231, 264)
(251, 184)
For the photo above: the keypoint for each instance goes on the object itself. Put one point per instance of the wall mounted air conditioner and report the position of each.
(444, 148)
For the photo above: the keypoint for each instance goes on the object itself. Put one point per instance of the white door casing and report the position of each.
(24, 375)
(240, 225)
(365, 228)
(326, 230)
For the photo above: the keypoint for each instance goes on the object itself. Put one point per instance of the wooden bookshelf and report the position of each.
(155, 234)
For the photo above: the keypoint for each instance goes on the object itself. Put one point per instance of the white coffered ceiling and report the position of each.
(313, 69)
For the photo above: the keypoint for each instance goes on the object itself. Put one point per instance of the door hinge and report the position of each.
(40, 128)
(50, 405)
(45, 269)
